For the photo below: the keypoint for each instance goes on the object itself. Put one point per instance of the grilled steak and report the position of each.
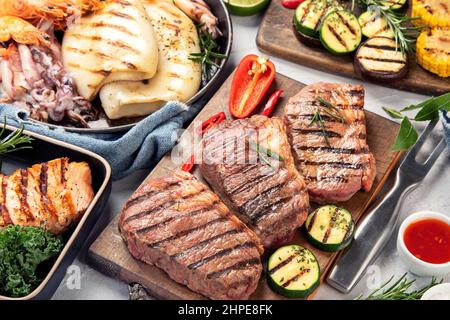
(334, 160)
(52, 195)
(249, 164)
(177, 224)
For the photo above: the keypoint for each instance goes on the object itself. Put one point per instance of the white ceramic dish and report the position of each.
(415, 265)
(439, 292)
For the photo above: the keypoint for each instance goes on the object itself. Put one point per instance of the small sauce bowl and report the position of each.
(438, 292)
(414, 264)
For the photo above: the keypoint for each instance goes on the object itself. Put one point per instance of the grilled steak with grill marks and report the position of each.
(249, 164)
(177, 224)
(52, 195)
(334, 160)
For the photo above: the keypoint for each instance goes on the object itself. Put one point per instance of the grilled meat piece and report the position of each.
(334, 160)
(250, 166)
(52, 195)
(177, 224)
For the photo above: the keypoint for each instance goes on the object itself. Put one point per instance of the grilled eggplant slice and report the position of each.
(307, 40)
(330, 228)
(340, 32)
(378, 59)
(374, 25)
(310, 13)
(293, 271)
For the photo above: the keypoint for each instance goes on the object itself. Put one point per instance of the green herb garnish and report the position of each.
(14, 141)
(208, 55)
(22, 250)
(331, 110)
(264, 152)
(398, 290)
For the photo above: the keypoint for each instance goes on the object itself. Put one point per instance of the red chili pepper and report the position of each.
(291, 4)
(205, 126)
(271, 103)
(252, 79)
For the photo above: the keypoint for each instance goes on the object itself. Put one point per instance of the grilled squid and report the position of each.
(199, 11)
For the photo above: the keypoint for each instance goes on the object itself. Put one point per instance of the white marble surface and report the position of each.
(432, 194)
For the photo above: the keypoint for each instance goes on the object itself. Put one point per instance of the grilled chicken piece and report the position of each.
(266, 191)
(335, 161)
(52, 195)
(178, 77)
(177, 224)
(115, 43)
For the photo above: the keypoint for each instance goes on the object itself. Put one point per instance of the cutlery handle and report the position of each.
(370, 237)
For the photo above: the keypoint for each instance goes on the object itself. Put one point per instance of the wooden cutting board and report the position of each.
(109, 254)
(276, 36)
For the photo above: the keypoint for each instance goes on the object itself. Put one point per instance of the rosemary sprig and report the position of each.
(317, 118)
(15, 141)
(397, 291)
(264, 151)
(331, 110)
(208, 55)
(404, 35)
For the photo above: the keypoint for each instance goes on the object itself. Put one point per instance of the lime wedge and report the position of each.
(246, 7)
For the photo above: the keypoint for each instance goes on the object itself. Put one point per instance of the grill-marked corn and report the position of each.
(431, 12)
(433, 50)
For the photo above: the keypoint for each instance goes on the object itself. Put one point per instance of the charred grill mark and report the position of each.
(281, 264)
(180, 216)
(335, 164)
(313, 219)
(307, 10)
(221, 253)
(332, 150)
(250, 206)
(114, 43)
(111, 26)
(337, 36)
(120, 15)
(345, 22)
(23, 192)
(322, 14)
(203, 243)
(265, 210)
(296, 277)
(330, 225)
(381, 47)
(383, 60)
(337, 178)
(43, 184)
(186, 232)
(385, 28)
(6, 217)
(323, 133)
(374, 18)
(149, 194)
(100, 55)
(123, 3)
(246, 185)
(325, 118)
(238, 266)
(100, 72)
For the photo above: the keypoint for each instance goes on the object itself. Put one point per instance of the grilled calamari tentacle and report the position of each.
(21, 31)
(199, 11)
(56, 10)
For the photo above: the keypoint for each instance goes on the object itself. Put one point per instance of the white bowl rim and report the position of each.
(442, 287)
(417, 216)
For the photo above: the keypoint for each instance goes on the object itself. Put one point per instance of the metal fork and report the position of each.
(379, 224)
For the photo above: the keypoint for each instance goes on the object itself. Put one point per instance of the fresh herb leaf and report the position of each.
(262, 151)
(336, 113)
(15, 141)
(22, 250)
(430, 108)
(406, 137)
(317, 118)
(398, 290)
(393, 113)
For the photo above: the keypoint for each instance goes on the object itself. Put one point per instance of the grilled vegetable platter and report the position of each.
(51, 196)
(267, 220)
(402, 44)
(96, 65)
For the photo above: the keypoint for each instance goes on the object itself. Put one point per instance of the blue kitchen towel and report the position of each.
(445, 118)
(139, 148)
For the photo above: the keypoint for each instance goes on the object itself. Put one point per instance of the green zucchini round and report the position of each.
(340, 32)
(330, 228)
(293, 271)
(374, 25)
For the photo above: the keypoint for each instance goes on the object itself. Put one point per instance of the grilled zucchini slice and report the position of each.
(340, 32)
(378, 59)
(293, 271)
(394, 4)
(374, 25)
(309, 15)
(330, 228)
(433, 51)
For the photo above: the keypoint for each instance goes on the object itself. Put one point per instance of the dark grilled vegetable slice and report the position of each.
(293, 271)
(379, 59)
(374, 25)
(340, 32)
(309, 15)
(330, 228)
(307, 40)
(394, 4)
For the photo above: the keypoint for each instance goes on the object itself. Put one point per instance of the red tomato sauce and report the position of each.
(429, 240)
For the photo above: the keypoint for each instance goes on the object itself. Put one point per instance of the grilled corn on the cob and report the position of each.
(433, 50)
(431, 13)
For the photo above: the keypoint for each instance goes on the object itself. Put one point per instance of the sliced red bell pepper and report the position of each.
(205, 126)
(271, 103)
(291, 4)
(252, 79)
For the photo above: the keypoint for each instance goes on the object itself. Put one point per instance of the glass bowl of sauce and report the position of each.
(423, 243)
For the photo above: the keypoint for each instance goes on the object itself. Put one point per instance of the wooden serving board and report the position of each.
(276, 36)
(110, 255)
